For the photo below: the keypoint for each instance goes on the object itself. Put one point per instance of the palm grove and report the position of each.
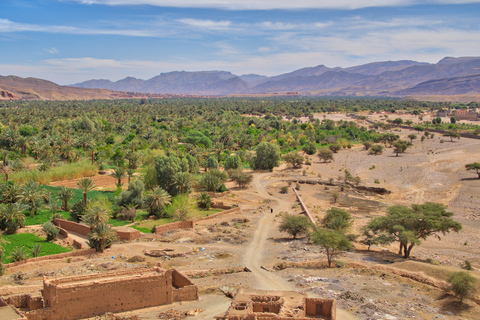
(167, 149)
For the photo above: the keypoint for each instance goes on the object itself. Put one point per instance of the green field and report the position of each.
(27, 240)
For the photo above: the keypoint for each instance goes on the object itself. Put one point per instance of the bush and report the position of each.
(467, 265)
(284, 189)
(462, 284)
(127, 213)
(204, 201)
(133, 195)
(51, 230)
(335, 147)
(19, 254)
(77, 211)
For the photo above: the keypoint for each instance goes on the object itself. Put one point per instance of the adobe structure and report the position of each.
(78, 297)
(279, 305)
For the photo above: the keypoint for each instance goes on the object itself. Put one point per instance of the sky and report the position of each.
(70, 41)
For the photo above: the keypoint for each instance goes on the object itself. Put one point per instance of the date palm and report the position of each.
(95, 215)
(32, 196)
(119, 174)
(6, 169)
(183, 181)
(11, 193)
(86, 185)
(65, 194)
(156, 200)
(102, 237)
(12, 215)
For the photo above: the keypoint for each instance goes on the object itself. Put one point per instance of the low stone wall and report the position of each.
(215, 272)
(51, 257)
(77, 244)
(174, 226)
(222, 213)
(72, 226)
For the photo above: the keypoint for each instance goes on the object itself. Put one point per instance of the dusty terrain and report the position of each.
(428, 171)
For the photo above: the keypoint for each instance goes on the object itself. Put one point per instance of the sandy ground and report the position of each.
(428, 171)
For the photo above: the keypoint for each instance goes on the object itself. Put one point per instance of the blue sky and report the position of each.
(69, 41)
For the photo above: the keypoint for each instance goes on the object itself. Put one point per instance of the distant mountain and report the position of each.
(450, 76)
(387, 78)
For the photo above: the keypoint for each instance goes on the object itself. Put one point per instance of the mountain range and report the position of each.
(450, 76)
(387, 78)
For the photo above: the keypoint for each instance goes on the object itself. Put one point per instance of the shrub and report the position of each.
(204, 201)
(284, 189)
(462, 284)
(467, 265)
(377, 181)
(127, 213)
(133, 195)
(36, 249)
(51, 230)
(19, 254)
(78, 211)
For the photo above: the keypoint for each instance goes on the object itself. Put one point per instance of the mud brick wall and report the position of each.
(219, 214)
(34, 303)
(81, 299)
(72, 226)
(328, 307)
(51, 257)
(126, 234)
(184, 288)
(174, 226)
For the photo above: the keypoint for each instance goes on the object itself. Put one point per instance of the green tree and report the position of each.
(232, 162)
(210, 163)
(309, 147)
(474, 167)
(95, 215)
(376, 149)
(133, 195)
(294, 159)
(32, 196)
(204, 200)
(462, 284)
(335, 147)
(332, 241)
(86, 185)
(12, 216)
(180, 208)
(65, 194)
(267, 156)
(119, 174)
(408, 226)
(101, 237)
(399, 146)
(294, 224)
(183, 181)
(337, 219)
(156, 200)
(412, 137)
(213, 180)
(166, 168)
(325, 154)
(452, 134)
(242, 179)
(453, 120)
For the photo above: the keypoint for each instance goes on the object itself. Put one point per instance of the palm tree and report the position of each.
(12, 214)
(86, 185)
(95, 215)
(11, 193)
(101, 237)
(130, 173)
(6, 169)
(156, 200)
(119, 174)
(183, 180)
(32, 195)
(65, 194)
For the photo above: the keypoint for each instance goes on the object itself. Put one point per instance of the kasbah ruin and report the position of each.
(237, 264)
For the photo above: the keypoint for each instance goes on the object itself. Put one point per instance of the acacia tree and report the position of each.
(294, 159)
(408, 226)
(325, 154)
(462, 284)
(332, 241)
(294, 225)
(475, 167)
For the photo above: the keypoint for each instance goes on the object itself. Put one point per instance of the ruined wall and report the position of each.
(219, 214)
(51, 257)
(321, 307)
(78, 297)
(174, 226)
(72, 226)
(127, 233)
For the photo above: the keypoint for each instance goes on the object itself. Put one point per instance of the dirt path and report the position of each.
(255, 252)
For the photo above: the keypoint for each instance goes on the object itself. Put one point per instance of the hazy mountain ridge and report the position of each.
(450, 76)
(376, 78)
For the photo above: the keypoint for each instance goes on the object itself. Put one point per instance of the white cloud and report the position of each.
(206, 24)
(277, 4)
(10, 26)
(51, 50)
